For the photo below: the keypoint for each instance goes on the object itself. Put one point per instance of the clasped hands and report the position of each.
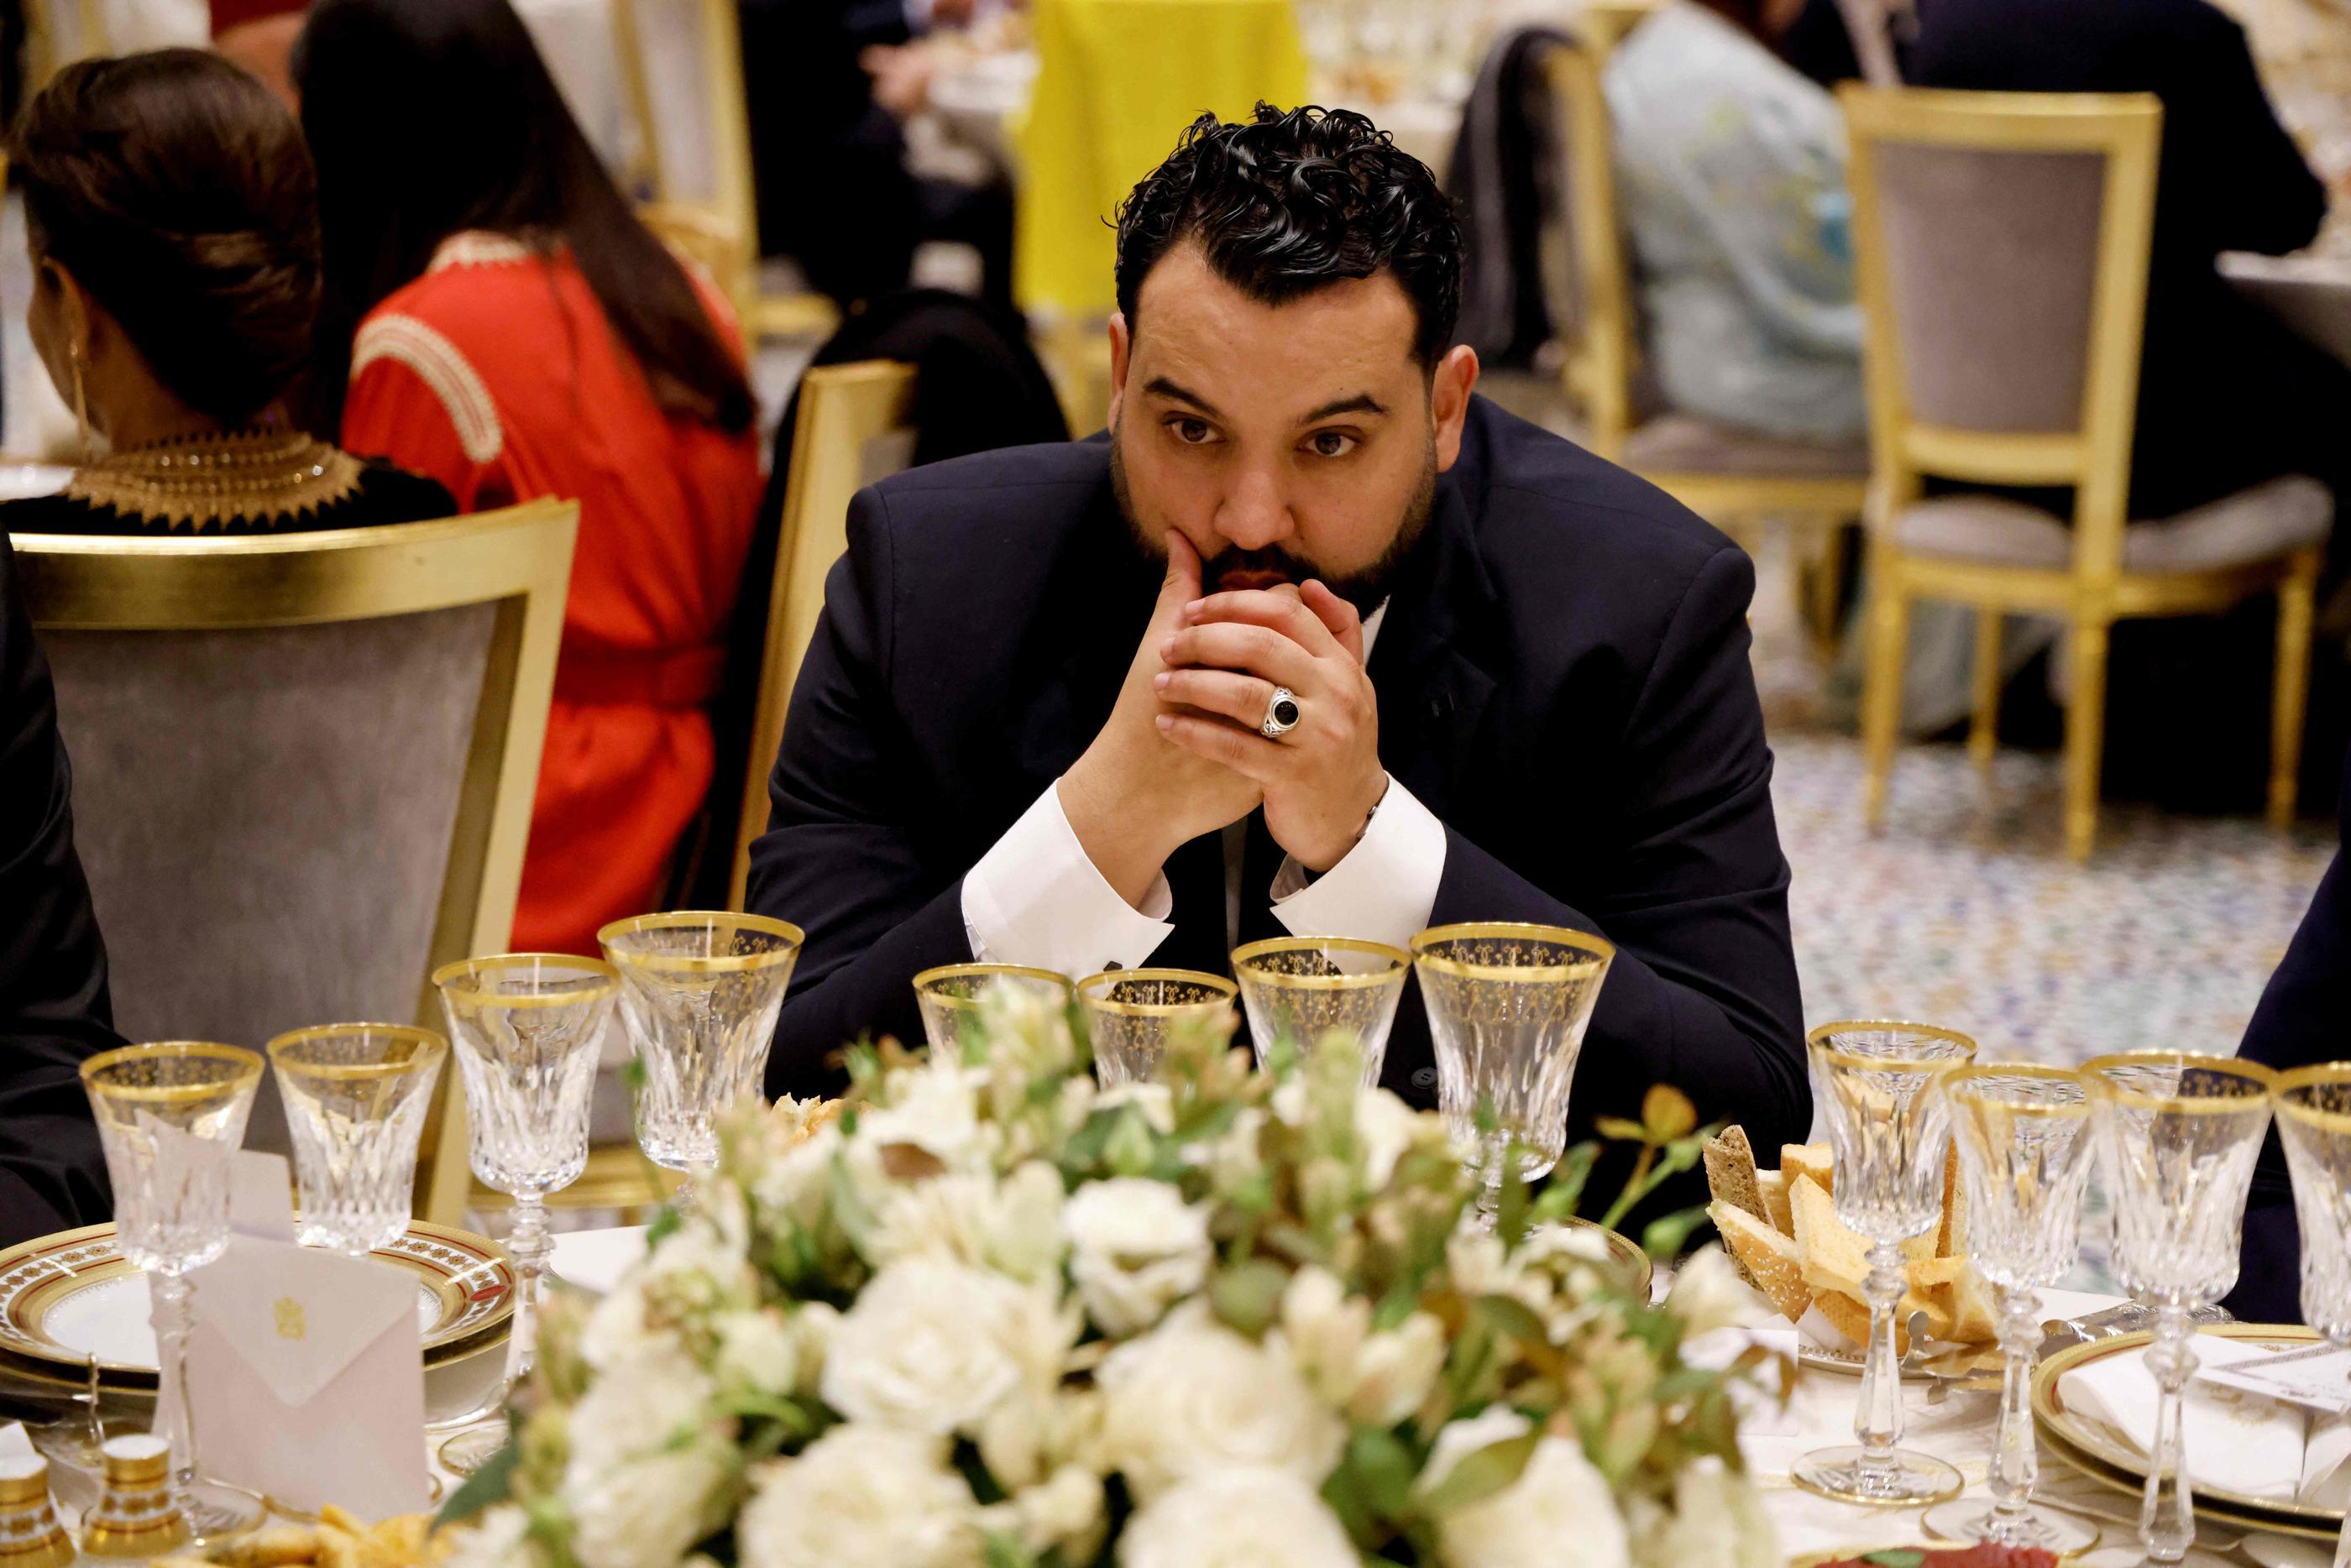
(1181, 754)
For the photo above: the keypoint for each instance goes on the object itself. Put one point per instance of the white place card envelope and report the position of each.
(2236, 1441)
(2314, 1377)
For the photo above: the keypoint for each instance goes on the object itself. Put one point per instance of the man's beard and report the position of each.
(1366, 589)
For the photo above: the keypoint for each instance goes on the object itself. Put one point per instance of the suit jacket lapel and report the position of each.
(1430, 664)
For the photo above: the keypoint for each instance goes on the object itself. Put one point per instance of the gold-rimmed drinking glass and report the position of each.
(1131, 1014)
(528, 1028)
(1507, 1005)
(2178, 1135)
(1878, 1086)
(1306, 987)
(2023, 1135)
(700, 991)
(949, 995)
(2312, 1105)
(169, 1117)
(357, 1097)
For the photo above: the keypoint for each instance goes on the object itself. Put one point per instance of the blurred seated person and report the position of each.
(835, 79)
(513, 330)
(1317, 639)
(170, 212)
(53, 1004)
(1732, 177)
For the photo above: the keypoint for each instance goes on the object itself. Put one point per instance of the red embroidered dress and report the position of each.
(497, 374)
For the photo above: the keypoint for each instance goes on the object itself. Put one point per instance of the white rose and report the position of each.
(1066, 1507)
(1013, 1225)
(1377, 1379)
(1559, 1513)
(498, 1538)
(930, 1346)
(646, 1513)
(1237, 1519)
(759, 1350)
(617, 1328)
(1717, 1521)
(1385, 1126)
(1155, 1101)
(861, 1497)
(1136, 1249)
(1708, 1295)
(1395, 1370)
(797, 1182)
(1475, 1260)
(634, 1407)
(1193, 1395)
(933, 1108)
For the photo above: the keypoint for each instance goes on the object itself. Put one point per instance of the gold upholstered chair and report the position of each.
(2003, 240)
(852, 431)
(303, 768)
(1735, 478)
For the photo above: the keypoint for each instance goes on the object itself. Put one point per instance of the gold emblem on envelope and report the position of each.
(289, 1319)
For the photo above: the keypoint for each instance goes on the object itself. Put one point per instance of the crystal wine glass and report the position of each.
(949, 996)
(700, 992)
(170, 1115)
(356, 1095)
(2023, 1133)
(2313, 1120)
(1305, 987)
(528, 1027)
(1507, 1005)
(1878, 1086)
(2177, 1134)
(1131, 1014)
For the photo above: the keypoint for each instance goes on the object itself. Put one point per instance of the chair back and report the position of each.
(303, 767)
(852, 431)
(2001, 246)
(1594, 306)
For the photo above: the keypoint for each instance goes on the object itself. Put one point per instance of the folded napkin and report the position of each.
(2237, 1442)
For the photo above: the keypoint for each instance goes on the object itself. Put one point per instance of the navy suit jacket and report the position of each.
(1562, 679)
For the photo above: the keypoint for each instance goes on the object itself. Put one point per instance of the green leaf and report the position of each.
(1509, 1315)
(1620, 1130)
(1563, 1194)
(1666, 1235)
(1248, 1294)
(665, 1222)
(1382, 1469)
(1667, 1112)
(1132, 1149)
(1511, 1204)
(1004, 1552)
(490, 1485)
(1905, 1559)
(1482, 1474)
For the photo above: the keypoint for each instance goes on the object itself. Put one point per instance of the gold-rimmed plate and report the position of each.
(1636, 1273)
(2105, 1455)
(67, 1296)
(1893, 1555)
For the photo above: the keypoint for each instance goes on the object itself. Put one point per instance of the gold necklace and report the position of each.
(201, 482)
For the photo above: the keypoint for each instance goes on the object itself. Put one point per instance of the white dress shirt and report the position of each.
(1035, 899)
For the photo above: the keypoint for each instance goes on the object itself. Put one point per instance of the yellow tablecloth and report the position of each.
(1117, 81)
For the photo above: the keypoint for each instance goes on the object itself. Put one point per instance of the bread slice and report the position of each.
(1833, 1255)
(1730, 1172)
(1850, 1318)
(1975, 1310)
(1773, 1186)
(1816, 1160)
(1951, 1239)
(1769, 1258)
(1935, 1282)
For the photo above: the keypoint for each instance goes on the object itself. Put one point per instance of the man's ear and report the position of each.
(1451, 384)
(1120, 344)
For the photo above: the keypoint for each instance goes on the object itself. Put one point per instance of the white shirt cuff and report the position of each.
(1382, 891)
(1035, 899)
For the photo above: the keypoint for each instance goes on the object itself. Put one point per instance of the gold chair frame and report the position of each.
(518, 558)
(1599, 366)
(720, 231)
(843, 408)
(2095, 590)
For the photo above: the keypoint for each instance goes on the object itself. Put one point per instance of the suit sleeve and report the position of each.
(843, 856)
(54, 1011)
(1703, 993)
(2253, 191)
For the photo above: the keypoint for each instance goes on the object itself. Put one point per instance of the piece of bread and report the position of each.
(1731, 1172)
(1773, 1187)
(1816, 1160)
(1951, 1241)
(1934, 1281)
(1850, 1318)
(1769, 1258)
(1834, 1256)
(1975, 1310)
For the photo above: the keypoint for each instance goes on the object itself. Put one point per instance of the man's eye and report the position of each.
(1191, 432)
(1330, 443)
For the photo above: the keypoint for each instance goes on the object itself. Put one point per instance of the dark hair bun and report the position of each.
(177, 190)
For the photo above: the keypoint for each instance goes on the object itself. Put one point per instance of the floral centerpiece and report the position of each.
(984, 1314)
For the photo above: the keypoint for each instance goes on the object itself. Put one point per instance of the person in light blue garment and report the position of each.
(1732, 172)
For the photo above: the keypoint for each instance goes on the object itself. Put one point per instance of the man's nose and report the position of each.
(1255, 512)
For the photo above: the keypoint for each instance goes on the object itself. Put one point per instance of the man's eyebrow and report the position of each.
(1168, 388)
(1358, 403)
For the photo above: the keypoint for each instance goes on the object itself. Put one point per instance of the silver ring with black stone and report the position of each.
(1281, 714)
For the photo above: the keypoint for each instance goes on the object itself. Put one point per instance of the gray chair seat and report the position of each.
(1687, 443)
(2273, 518)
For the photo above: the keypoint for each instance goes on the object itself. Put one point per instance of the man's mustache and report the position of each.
(1273, 561)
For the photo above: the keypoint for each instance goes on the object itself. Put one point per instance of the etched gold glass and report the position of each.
(1131, 1014)
(2022, 1137)
(528, 1028)
(1878, 1087)
(356, 1098)
(949, 996)
(2313, 1120)
(2177, 1134)
(1507, 1005)
(700, 992)
(169, 1117)
(1304, 988)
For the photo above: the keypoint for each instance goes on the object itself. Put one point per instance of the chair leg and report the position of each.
(2297, 597)
(1824, 587)
(2086, 727)
(1983, 729)
(1881, 692)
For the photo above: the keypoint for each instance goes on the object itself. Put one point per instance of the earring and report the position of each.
(81, 402)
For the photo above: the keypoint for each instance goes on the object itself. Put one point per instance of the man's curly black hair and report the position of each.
(1286, 202)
